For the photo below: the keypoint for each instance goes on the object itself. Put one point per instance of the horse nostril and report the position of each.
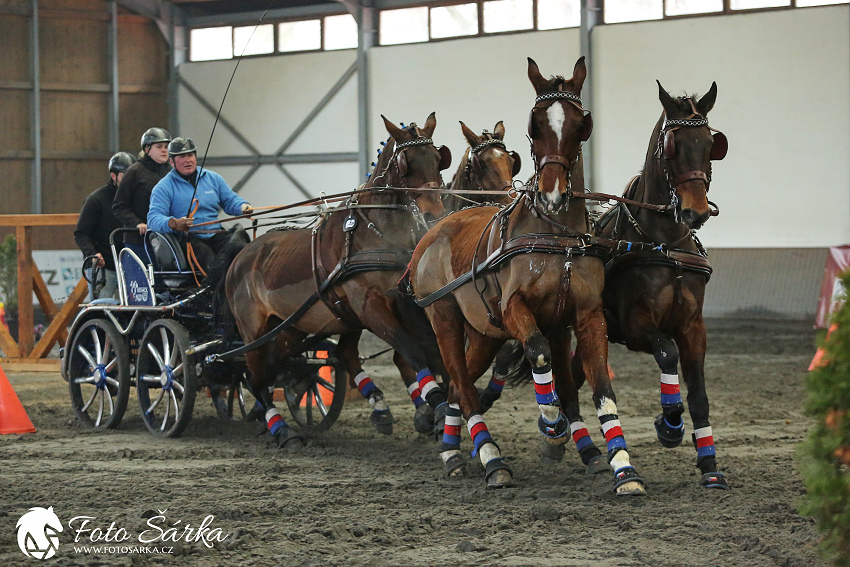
(693, 219)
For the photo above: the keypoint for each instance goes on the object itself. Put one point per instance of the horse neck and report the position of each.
(460, 180)
(654, 188)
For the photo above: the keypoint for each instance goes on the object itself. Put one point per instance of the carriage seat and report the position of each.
(167, 253)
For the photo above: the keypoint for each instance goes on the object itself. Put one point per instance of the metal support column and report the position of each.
(591, 15)
(368, 33)
(113, 77)
(35, 114)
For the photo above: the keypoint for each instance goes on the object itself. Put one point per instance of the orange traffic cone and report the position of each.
(818, 359)
(13, 416)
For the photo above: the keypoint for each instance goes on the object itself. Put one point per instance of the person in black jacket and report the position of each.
(97, 222)
(134, 192)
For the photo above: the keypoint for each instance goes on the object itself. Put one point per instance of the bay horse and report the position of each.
(534, 278)
(654, 293)
(349, 261)
(486, 166)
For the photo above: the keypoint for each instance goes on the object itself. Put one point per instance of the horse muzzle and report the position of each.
(693, 219)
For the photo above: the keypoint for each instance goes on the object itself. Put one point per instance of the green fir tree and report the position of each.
(825, 455)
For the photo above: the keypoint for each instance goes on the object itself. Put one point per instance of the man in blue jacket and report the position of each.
(171, 201)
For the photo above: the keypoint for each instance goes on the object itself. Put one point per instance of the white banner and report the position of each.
(61, 270)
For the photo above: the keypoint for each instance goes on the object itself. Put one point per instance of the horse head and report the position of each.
(684, 149)
(410, 159)
(557, 126)
(488, 165)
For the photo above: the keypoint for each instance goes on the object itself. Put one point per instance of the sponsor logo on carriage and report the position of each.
(38, 534)
(139, 293)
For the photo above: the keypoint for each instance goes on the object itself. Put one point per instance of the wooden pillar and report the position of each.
(26, 322)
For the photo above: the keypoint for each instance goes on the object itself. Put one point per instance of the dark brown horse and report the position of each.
(654, 292)
(487, 165)
(349, 261)
(534, 279)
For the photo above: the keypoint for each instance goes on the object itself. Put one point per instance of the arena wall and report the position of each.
(783, 101)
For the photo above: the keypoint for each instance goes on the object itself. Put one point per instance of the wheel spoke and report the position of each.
(106, 345)
(178, 386)
(87, 355)
(100, 409)
(156, 401)
(309, 409)
(167, 407)
(84, 380)
(98, 351)
(320, 403)
(91, 399)
(175, 370)
(176, 406)
(112, 381)
(156, 356)
(111, 403)
(111, 364)
(325, 384)
(166, 345)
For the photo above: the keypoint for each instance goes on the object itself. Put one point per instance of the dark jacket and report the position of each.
(96, 223)
(134, 194)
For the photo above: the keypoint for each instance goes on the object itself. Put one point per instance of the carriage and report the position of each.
(158, 337)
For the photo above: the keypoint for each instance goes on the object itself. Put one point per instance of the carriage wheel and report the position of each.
(98, 370)
(166, 383)
(315, 401)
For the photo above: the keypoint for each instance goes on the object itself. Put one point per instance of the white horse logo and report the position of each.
(38, 532)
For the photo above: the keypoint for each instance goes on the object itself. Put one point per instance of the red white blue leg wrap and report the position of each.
(478, 431)
(365, 384)
(427, 384)
(415, 393)
(274, 421)
(451, 433)
(704, 441)
(544, 387)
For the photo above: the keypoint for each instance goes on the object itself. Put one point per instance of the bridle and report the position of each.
(666, 150)
(473, 163)
(544, 101)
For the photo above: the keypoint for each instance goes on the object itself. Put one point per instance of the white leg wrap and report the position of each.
(620, 460)
(549, 413)
(488, 452)
(446, 455)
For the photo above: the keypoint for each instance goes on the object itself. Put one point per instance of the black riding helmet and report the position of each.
(155, 135)
(120, 162)
(180, 146)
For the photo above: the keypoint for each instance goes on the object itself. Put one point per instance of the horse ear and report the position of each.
(469, 135)
(667, 101)
(706, 103)
(430, 124)
(499, 130)
(579, 74)
(534, 76)
(393, 130)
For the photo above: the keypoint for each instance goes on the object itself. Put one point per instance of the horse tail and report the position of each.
(216, 277)
(512, 364)
(416, 322)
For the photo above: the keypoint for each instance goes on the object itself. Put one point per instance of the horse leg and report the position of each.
(668, 425)
(501, 367)
(260, 362)
(379, 317)
(565, 386)
(349, 355)
(423, 417)
(448, 322)
(692, 345)
(592, 347)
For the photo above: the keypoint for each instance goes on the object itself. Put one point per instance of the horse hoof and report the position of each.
(383, 421)
(628, 483)
(550, 453)
(500, 479)
(597, 464)
(714, 480)
(290, 440)
(423, 419)
(498, 474)
(454, 466)
(668, 435)
(632, 488)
